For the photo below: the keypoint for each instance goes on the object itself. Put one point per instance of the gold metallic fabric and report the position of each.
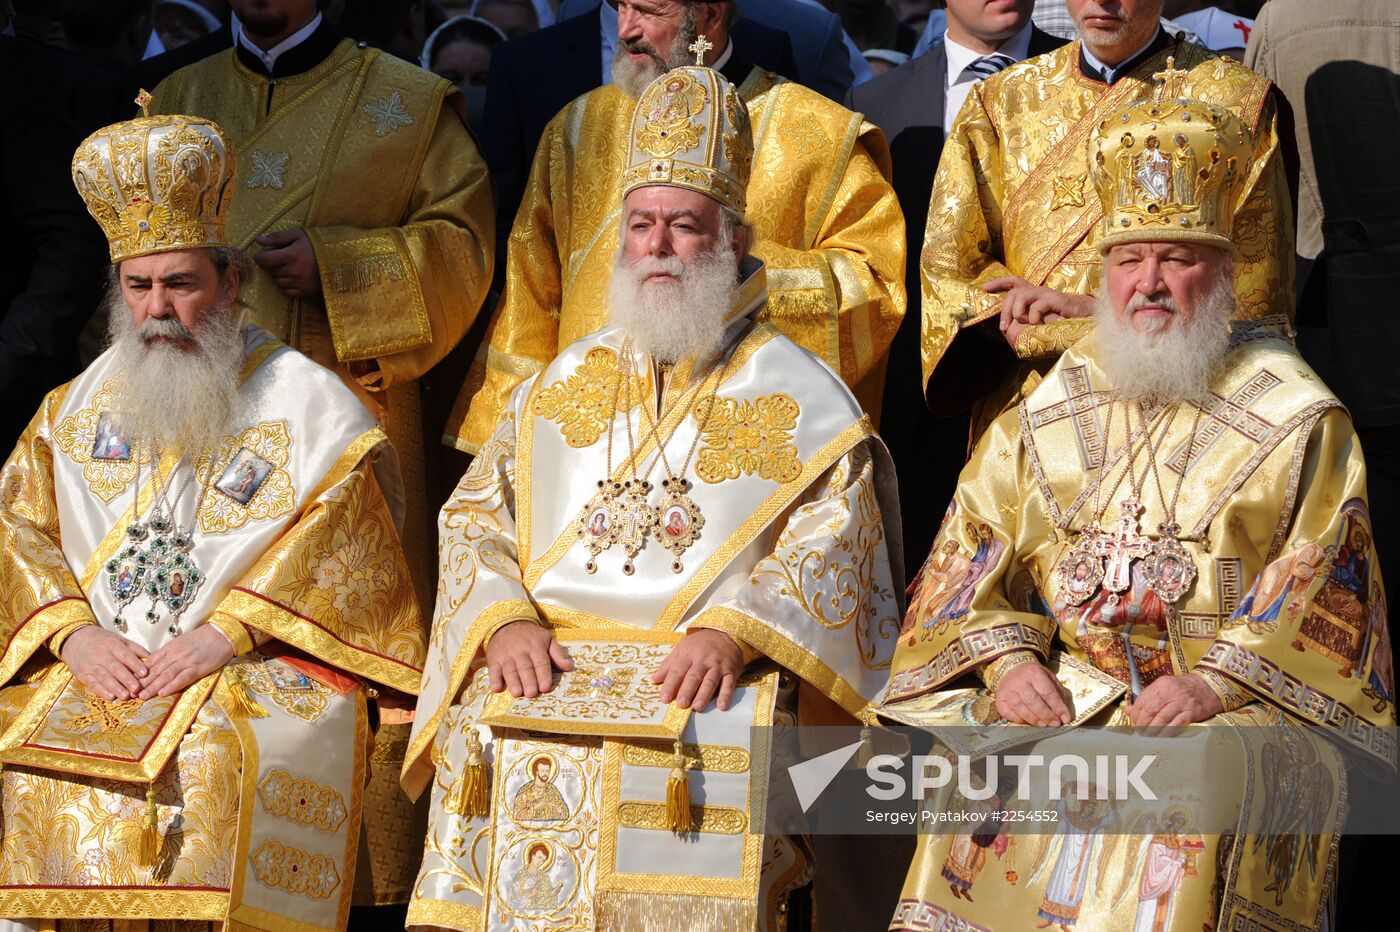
(826, 223)
(1013, 196)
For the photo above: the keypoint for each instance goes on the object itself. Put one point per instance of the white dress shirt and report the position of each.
(959, 81)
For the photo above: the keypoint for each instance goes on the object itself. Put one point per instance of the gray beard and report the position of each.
(677, 320)
(1175, 365)
(632, 78)
(177, 398)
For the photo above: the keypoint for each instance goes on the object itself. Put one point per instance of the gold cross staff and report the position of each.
(143, 100)
(1169, 76)
(701, 45)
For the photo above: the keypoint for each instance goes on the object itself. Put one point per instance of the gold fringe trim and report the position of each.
(360, 274)
(150, 830)
(241, 702)
(631, 912)
(867, 747)
(474, 796)
(678, 793)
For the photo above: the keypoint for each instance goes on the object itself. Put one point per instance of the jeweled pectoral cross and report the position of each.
(1170, 78)
(701, 45)
(1122, 546)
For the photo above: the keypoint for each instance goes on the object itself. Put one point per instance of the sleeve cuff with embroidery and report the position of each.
(1231, 696)
(242, 637)
(993, 670)
(58, 637)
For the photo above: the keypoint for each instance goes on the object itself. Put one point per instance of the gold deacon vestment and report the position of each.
(1013, 197)
(797, 557)
(240, 799)
(1286, 620)
(370, 155)
(825, 219)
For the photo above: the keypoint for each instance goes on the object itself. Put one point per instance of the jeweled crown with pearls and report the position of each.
(1170, 170)
(157, 183)
(690, 129)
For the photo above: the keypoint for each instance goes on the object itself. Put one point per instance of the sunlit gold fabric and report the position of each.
(1287, 613)
(826, 221)
(1013, 196)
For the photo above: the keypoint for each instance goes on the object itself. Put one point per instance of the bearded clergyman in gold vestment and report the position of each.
(373, 210)
(681, 501)
(826, 220)
(202, 590)
(1011, 253)
(1181, 504)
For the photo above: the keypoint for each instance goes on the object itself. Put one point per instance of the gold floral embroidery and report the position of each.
(748, 438)
(222, 512)
(302, 801)
(103, 714)
(703, 757)
(291, 690)
(294, 870)
(803, 135)
(76, 435)
(712, 820)
(1067, 192)
(582, 404)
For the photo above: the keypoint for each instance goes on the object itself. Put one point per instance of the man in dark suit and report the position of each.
(915, 105)
(533, 77)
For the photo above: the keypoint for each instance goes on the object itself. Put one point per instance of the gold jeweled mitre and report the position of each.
(1170, 170)
(157, 183)
(691, 130)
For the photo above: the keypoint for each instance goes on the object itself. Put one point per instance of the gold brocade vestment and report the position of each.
(257, 810)
(1013, 197)
(795, 559)
(1286, 620)
(825, 220)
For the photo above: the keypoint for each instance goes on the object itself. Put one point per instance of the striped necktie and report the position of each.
(988, 65)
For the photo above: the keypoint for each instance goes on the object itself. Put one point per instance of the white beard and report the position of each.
(676, 320)
(179, 398)
(1173, 363)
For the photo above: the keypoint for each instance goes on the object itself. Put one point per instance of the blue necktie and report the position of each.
(988, 65)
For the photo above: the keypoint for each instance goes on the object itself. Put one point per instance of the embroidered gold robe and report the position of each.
(1286, 618)
(258, 811)
(1012, 197)
(371, 156)
(826, 221)
(797, 558)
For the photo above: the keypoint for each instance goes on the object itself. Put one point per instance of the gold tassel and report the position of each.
(867, 747)
(474, 798)
(241, 701)
(150, 835)
(678, 794)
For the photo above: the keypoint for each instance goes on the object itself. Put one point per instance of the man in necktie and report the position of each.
(915, 105)
(1010, 259)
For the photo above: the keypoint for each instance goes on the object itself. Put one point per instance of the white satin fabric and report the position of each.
(286, 396)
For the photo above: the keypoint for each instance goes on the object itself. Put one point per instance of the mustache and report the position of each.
(1159, 298)
(164, 328)
(640, 46)
(656, 265)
